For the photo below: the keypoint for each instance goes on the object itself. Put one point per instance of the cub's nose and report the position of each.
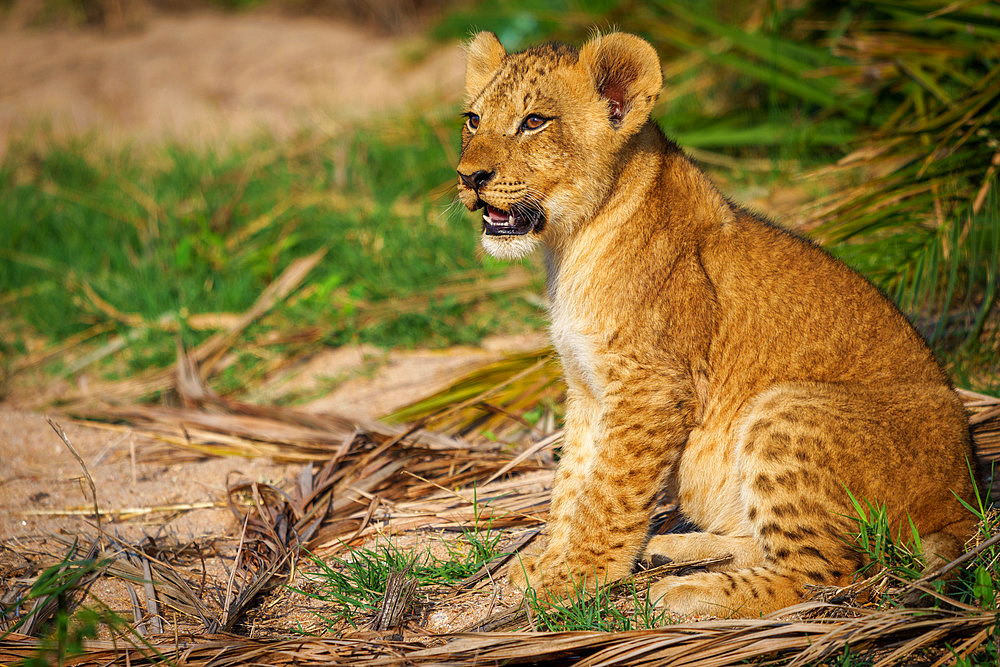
(477, 179)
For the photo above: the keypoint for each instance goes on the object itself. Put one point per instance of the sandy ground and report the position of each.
(45, 498)
(207, 76)
(44, 488)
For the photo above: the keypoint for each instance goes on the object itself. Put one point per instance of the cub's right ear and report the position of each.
(486, 54)
(625, 70)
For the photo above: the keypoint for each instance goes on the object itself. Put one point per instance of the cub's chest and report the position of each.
(585, 308)
(576, 334)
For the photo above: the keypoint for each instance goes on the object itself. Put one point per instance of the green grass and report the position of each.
(161, 235)
(608, 608)
(885, 550)
(63, 622)
(355, 585)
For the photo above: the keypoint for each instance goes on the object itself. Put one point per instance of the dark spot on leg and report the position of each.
(634, 526)
(792, 535)
(786, 509)
(769, 528)
(752, 513)
(814, 552)
(773, 454)
(763, 484)
(790, 417)
(808, 531)
(787, 479)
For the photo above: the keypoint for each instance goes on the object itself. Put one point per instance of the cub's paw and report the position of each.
(683, 598)
(548, 578)
(523, 571)
(553, 579)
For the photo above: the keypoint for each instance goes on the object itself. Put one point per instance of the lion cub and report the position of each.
(705, 350)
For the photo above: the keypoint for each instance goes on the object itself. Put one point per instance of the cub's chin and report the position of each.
(511, 233)
(509, 247)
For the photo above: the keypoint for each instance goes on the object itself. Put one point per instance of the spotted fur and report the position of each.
(705, 350)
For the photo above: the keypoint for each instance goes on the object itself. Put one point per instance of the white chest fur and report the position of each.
(573, 337)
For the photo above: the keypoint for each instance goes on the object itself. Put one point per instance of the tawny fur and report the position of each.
(705, 350)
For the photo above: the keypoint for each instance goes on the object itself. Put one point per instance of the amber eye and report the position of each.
(472, 120)
(533, 122)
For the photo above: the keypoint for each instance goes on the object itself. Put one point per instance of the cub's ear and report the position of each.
(485, 54)
(625, 70)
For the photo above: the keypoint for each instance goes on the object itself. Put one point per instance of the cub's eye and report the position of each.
(472, 120)
(533, 122)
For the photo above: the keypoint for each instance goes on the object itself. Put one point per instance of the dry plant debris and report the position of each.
(368, 480)
(887, 637)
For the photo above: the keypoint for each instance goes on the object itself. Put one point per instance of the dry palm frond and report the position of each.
(984, 422)
(491, 399)
(163, 581)
(886, 637)
(61, 587)
(359, 461)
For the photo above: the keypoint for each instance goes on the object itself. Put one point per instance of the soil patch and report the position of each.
(206, 76)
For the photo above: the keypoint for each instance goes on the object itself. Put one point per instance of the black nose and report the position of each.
(477, 179)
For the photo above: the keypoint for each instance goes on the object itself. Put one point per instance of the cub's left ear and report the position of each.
(485, 55)
(625, 70)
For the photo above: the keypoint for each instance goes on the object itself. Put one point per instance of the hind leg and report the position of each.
(793, 505)
(794, 554)
(800, 448)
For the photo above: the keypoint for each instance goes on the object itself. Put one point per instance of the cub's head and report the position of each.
(543, 132)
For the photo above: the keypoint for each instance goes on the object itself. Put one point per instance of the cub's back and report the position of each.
(789, 311)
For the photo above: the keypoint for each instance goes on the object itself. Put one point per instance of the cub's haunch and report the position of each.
(704, 349)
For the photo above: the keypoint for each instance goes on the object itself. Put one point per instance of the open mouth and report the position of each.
(518, 221)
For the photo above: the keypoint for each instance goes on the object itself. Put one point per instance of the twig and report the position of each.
(152, 605)
(90, 480)
(232, 573)
(176, 507)
(530, 451)
(396, 600)
(463, 498)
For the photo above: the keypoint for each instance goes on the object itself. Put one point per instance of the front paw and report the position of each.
(523, 571)
(554, 578)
